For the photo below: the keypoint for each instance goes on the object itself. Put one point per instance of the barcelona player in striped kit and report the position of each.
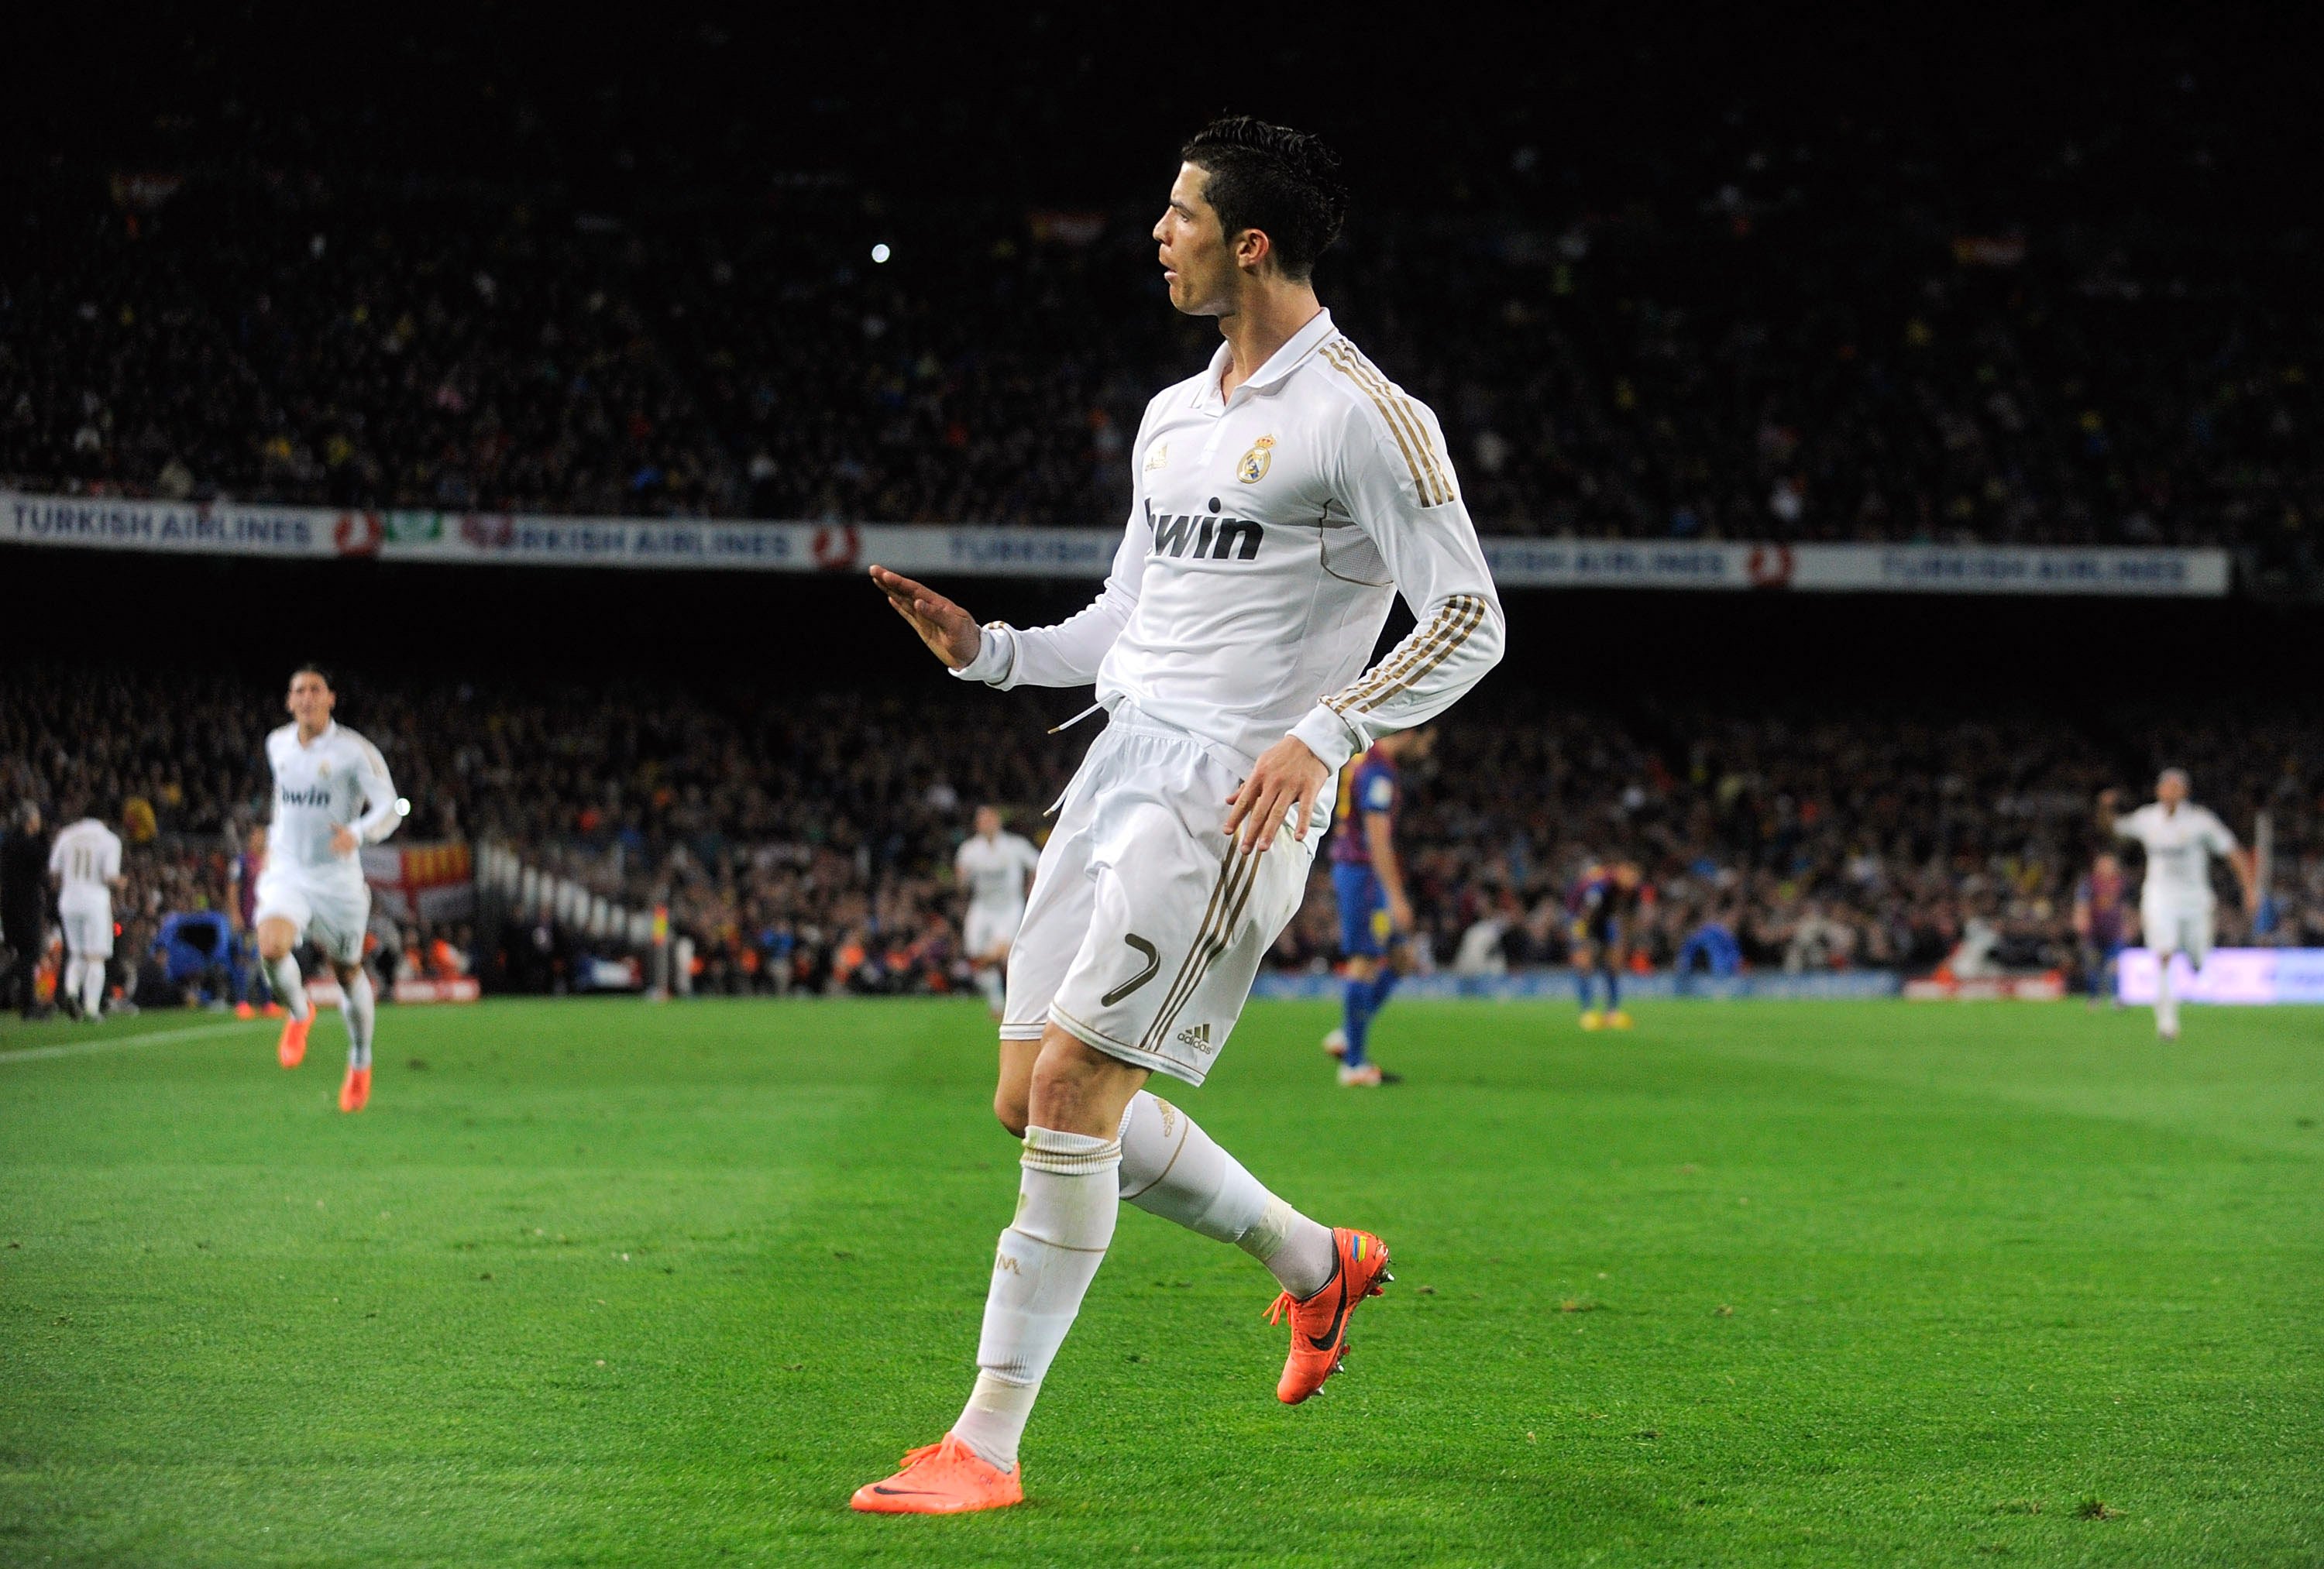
(1368, 883)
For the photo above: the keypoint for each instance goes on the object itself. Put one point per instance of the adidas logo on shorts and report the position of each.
(1198, 1036)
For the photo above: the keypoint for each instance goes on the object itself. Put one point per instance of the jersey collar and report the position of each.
(330, 727)
(1279, 364)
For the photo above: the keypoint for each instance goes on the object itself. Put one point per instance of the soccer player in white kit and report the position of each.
(332, 796)
(85, 863)
(2175, 903)
(1284, 497)
(993, 866)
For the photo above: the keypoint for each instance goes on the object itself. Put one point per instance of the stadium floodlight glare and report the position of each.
(880, 253)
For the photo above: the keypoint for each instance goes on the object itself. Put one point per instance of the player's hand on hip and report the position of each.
(342, 840)
(1287, 779)
(950, 632)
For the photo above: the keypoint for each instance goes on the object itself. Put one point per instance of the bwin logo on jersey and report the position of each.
(1213, 539)
(319, 796)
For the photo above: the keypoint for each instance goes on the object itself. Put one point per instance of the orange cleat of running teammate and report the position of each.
(943, 1478)
(354, 1092)
(1319, 1325)
(291, 1049)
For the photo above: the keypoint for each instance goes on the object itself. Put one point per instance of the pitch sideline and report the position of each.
(120, 1042)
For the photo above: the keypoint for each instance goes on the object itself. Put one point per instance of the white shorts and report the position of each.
(2172, 927)
(88, 927)
(330, 912)
(1146, 925)
(987, 927)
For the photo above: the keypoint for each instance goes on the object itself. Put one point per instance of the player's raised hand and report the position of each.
(950, 632)
(1288, 777)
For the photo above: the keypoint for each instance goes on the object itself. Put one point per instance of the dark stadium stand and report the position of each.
(816, 824)
(2076, 328)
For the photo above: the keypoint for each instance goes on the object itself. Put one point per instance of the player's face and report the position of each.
(1197, 262)
(311, 700)
(2171, 789)
(988, 822)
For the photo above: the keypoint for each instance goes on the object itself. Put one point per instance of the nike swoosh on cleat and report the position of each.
(1325, 1341)
(908, 1491)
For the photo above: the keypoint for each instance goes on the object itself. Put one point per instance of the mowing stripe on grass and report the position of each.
(118, 1042)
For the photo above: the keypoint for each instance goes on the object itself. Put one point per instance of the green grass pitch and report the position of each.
(603, 1283)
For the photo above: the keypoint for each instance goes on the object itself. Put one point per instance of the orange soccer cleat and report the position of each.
(943, 1478)
(355, 1093)
(244, 1010)
(291, 1049)
(1319, 1325)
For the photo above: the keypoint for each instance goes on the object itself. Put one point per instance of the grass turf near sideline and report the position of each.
(604, 1284)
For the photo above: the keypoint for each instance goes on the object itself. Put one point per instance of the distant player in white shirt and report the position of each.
(1285, 498)
(993, 868)
(84, 864)
(332, 796)
(2176, 905)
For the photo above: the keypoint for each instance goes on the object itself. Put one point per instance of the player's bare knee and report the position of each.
(1079, 1089)
(1011, 1105)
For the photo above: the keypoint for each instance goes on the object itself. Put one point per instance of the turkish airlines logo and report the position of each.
(357, 534)
(1770, 566)
(835, 547)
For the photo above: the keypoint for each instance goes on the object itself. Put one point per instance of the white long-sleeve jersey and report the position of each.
(336, 779)
(2179, 847)
(1268, 534)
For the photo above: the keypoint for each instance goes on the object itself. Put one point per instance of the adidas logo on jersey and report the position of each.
(1213, 539)
(1197, 1035)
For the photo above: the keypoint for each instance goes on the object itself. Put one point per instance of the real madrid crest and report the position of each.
(1252, 466)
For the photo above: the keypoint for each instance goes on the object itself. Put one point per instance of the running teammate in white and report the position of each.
(332, 796)
(84, 864)
(1284, 497)
(2175, 904)
(992, 866)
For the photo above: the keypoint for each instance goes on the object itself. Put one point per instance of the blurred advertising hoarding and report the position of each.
(2231, 974)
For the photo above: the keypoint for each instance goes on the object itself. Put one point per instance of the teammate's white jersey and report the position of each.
(994, 870)
(337, 778)
(86, 857)
(1269, 533)
(2180, 845)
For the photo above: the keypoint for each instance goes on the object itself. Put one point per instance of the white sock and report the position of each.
(92, 986)
(74, 966)
(988, 982)
(1171, 1168)
(290, 987)
(2166, 1006)
(1065, 1208)
(359, 1006)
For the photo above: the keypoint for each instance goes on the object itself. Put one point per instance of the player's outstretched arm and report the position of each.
(2110, 803)
(2247, 865)
(950, 632)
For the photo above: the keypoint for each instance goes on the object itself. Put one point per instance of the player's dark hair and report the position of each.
(1282, 182)
(312, 667)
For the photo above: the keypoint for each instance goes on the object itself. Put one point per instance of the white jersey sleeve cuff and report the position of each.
(1328, 736)
(996, 656)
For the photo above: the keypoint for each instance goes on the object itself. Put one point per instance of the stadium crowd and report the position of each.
(803, 841)
(1781, 337)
